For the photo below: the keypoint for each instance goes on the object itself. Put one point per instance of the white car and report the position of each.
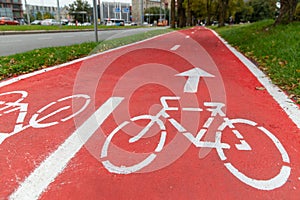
(86, 24)
(49, 22)
(36, 22)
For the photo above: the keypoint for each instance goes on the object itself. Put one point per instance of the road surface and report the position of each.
(178, 116)
(12, 44)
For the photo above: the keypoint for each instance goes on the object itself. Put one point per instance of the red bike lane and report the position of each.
(213, 135)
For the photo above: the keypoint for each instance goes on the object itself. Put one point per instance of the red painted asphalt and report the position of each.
(139, 75)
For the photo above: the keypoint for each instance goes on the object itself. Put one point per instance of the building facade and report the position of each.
(116, 10)
(35, 10)
(11, 8)
(138, 4)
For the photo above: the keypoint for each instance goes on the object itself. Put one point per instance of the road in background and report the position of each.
(12, 44)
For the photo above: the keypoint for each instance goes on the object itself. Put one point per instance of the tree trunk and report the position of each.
(189, 12)
(181, 14)
(208, 9)
(286, 12)
(223, 6)
(173, 14)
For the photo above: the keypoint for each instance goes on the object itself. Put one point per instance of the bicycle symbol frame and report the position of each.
(215, 108)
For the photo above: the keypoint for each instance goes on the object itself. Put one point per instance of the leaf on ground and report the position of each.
(260, 88)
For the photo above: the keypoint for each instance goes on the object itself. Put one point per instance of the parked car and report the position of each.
(49, 22)
(8, 21)
(36, 22)
(64, 22)
(86, 24)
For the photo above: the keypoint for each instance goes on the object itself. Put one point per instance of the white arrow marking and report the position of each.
(194, 75)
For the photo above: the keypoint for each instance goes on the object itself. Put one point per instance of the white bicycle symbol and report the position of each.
(215, 109)
(36, 121)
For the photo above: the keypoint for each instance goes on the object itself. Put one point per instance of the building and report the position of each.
(11, 8)
(116, 10)
(35, 10)
(136, 7)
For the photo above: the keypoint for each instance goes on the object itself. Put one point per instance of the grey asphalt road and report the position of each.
(12, 44)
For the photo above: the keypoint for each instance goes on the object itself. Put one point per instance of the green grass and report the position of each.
(30, 61)
(275, 50)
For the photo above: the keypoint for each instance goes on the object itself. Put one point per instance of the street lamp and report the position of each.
(95, 19)
(58, 13)
(27, 11)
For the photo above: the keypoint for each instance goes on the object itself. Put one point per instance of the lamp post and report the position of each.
(27, 11)
(95, 19)
(142, 12)
(58, 13)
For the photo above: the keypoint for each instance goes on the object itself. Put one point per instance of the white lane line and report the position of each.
(38, 181)
(193, 109)
(175, 48)
(290, 108)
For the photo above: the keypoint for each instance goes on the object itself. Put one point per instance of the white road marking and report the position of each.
(36, 183)
(192, 109)
(187, 37)
(194, 75)
(290, 108)
(175, 47)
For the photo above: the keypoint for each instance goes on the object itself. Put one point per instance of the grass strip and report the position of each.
(274, 49)
(14, 65)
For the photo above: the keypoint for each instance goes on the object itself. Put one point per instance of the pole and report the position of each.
(120, 6)
(95, 19)
(58, 13)
(142, 12)
(160, 11)
(27, 11)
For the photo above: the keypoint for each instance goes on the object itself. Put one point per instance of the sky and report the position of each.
(62, 2)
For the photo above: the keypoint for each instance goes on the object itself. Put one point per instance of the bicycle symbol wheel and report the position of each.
(133, 167)
(268, 184)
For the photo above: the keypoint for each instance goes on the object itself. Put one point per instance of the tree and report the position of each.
(286, 12)
(181, 14)
(189, 12)
(173, 10)
(39, 16)
(80, 9)
(48, 15)
(152, 14)
(223, 8)
(198, 9)
(209, 10)
(262, 9)
(297, 12)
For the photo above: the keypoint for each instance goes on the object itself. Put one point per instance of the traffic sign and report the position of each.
(125, 10)
(117, 10)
